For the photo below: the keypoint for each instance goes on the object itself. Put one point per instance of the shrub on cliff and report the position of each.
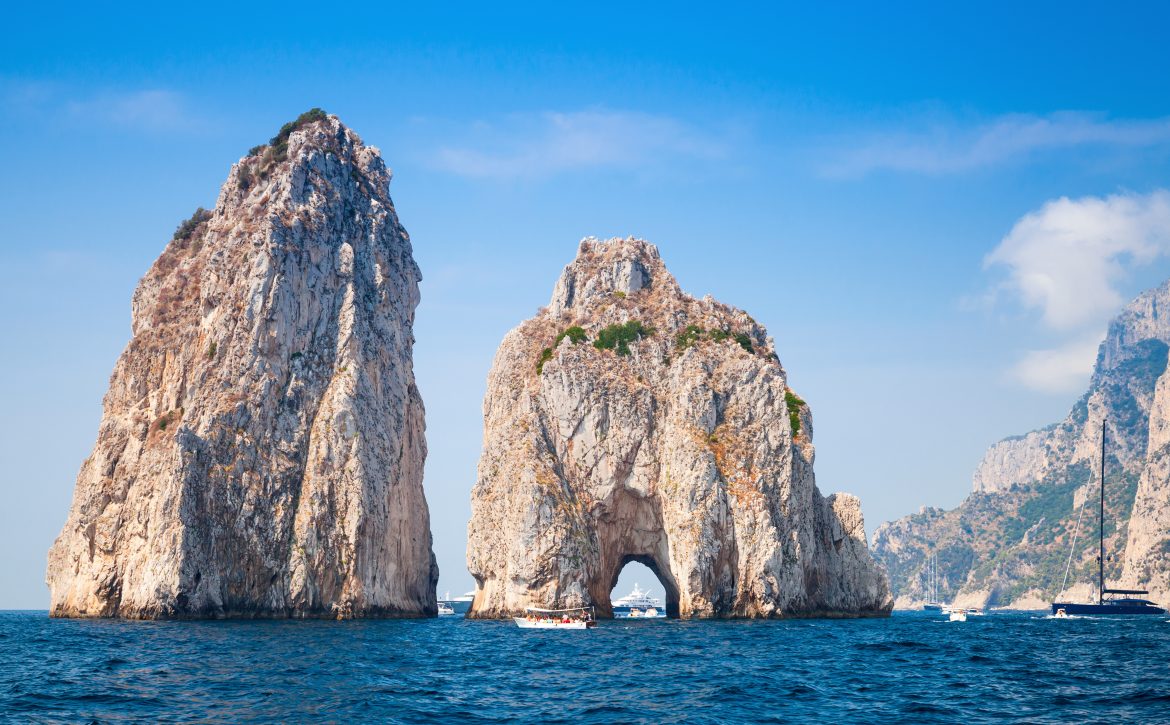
(794, 404)
(188, 227)
(689, 336)
(277, 148)
(619, 337)
(576, 335)
(279, 142)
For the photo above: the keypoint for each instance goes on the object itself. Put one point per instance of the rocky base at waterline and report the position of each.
(1008, 543)
(261, 448)
(629, 421)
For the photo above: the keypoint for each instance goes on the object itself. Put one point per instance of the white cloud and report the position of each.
(1063, 369)
(151, 110)
(1067, 260)
(948, 147)
(534, 145)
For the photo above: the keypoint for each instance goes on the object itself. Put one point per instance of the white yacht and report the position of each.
(445, 609)
(638, 599)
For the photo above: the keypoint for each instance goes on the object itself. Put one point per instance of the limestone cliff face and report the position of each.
(262, 443)
(629, 421)
(1147, 551)
(1008, 543)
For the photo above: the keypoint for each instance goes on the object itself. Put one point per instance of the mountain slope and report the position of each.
(1008, 543)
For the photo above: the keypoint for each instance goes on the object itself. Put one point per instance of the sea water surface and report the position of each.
(912, 667)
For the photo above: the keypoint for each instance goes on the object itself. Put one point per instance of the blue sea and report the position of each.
(912, 667)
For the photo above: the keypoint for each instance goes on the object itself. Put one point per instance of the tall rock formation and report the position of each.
(1009, 542)
(629, 421)
(261, 448)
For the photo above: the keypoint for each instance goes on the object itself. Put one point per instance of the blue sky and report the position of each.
(934, 210)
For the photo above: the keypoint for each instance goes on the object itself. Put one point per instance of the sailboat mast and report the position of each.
(1101, 526)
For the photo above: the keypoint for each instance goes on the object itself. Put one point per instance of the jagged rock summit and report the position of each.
(629, 421)
(261, 448)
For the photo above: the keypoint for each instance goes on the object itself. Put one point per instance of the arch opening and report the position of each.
(644, 573)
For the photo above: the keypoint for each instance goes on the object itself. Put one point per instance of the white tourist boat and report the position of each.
(958, 615)
(537, 618)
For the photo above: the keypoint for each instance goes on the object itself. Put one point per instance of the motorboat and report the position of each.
(538, 618)
(445, 609)
(958, 615)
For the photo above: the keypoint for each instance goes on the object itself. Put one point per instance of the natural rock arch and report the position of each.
(662, 574)
(630, 421)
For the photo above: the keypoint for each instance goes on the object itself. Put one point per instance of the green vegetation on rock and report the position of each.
(576, 335)
(276, 150)
(794, 404)
(692, 334)
(184, 231)
(619, 337)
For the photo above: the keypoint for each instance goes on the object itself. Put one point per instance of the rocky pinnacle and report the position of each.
(261, 447)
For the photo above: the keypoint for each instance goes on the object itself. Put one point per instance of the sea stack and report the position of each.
(629, 421)
(261, 446)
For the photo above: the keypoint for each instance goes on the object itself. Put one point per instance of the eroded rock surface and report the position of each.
(630, 421)
(262, 443)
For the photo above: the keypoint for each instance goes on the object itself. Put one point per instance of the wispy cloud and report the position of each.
(536, 145)
(150, 110)
(154, 110)
(1067, 260)
(951, 147)
(1062, 369)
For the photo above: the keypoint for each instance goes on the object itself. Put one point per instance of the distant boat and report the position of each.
(460, 605)
(637, 601)
(445, 609)
(958, 615)
(537, 618)
(934, 605)
(1109, 601)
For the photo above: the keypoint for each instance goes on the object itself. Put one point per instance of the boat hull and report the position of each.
(1107, 608)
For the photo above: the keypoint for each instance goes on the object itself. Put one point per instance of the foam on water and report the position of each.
(1003, 667)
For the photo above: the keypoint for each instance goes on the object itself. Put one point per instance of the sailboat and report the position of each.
(1109, 601)
(934, 605)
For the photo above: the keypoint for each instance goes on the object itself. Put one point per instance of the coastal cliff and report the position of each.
(261, 447)
(629, 421)
(1008, 543)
